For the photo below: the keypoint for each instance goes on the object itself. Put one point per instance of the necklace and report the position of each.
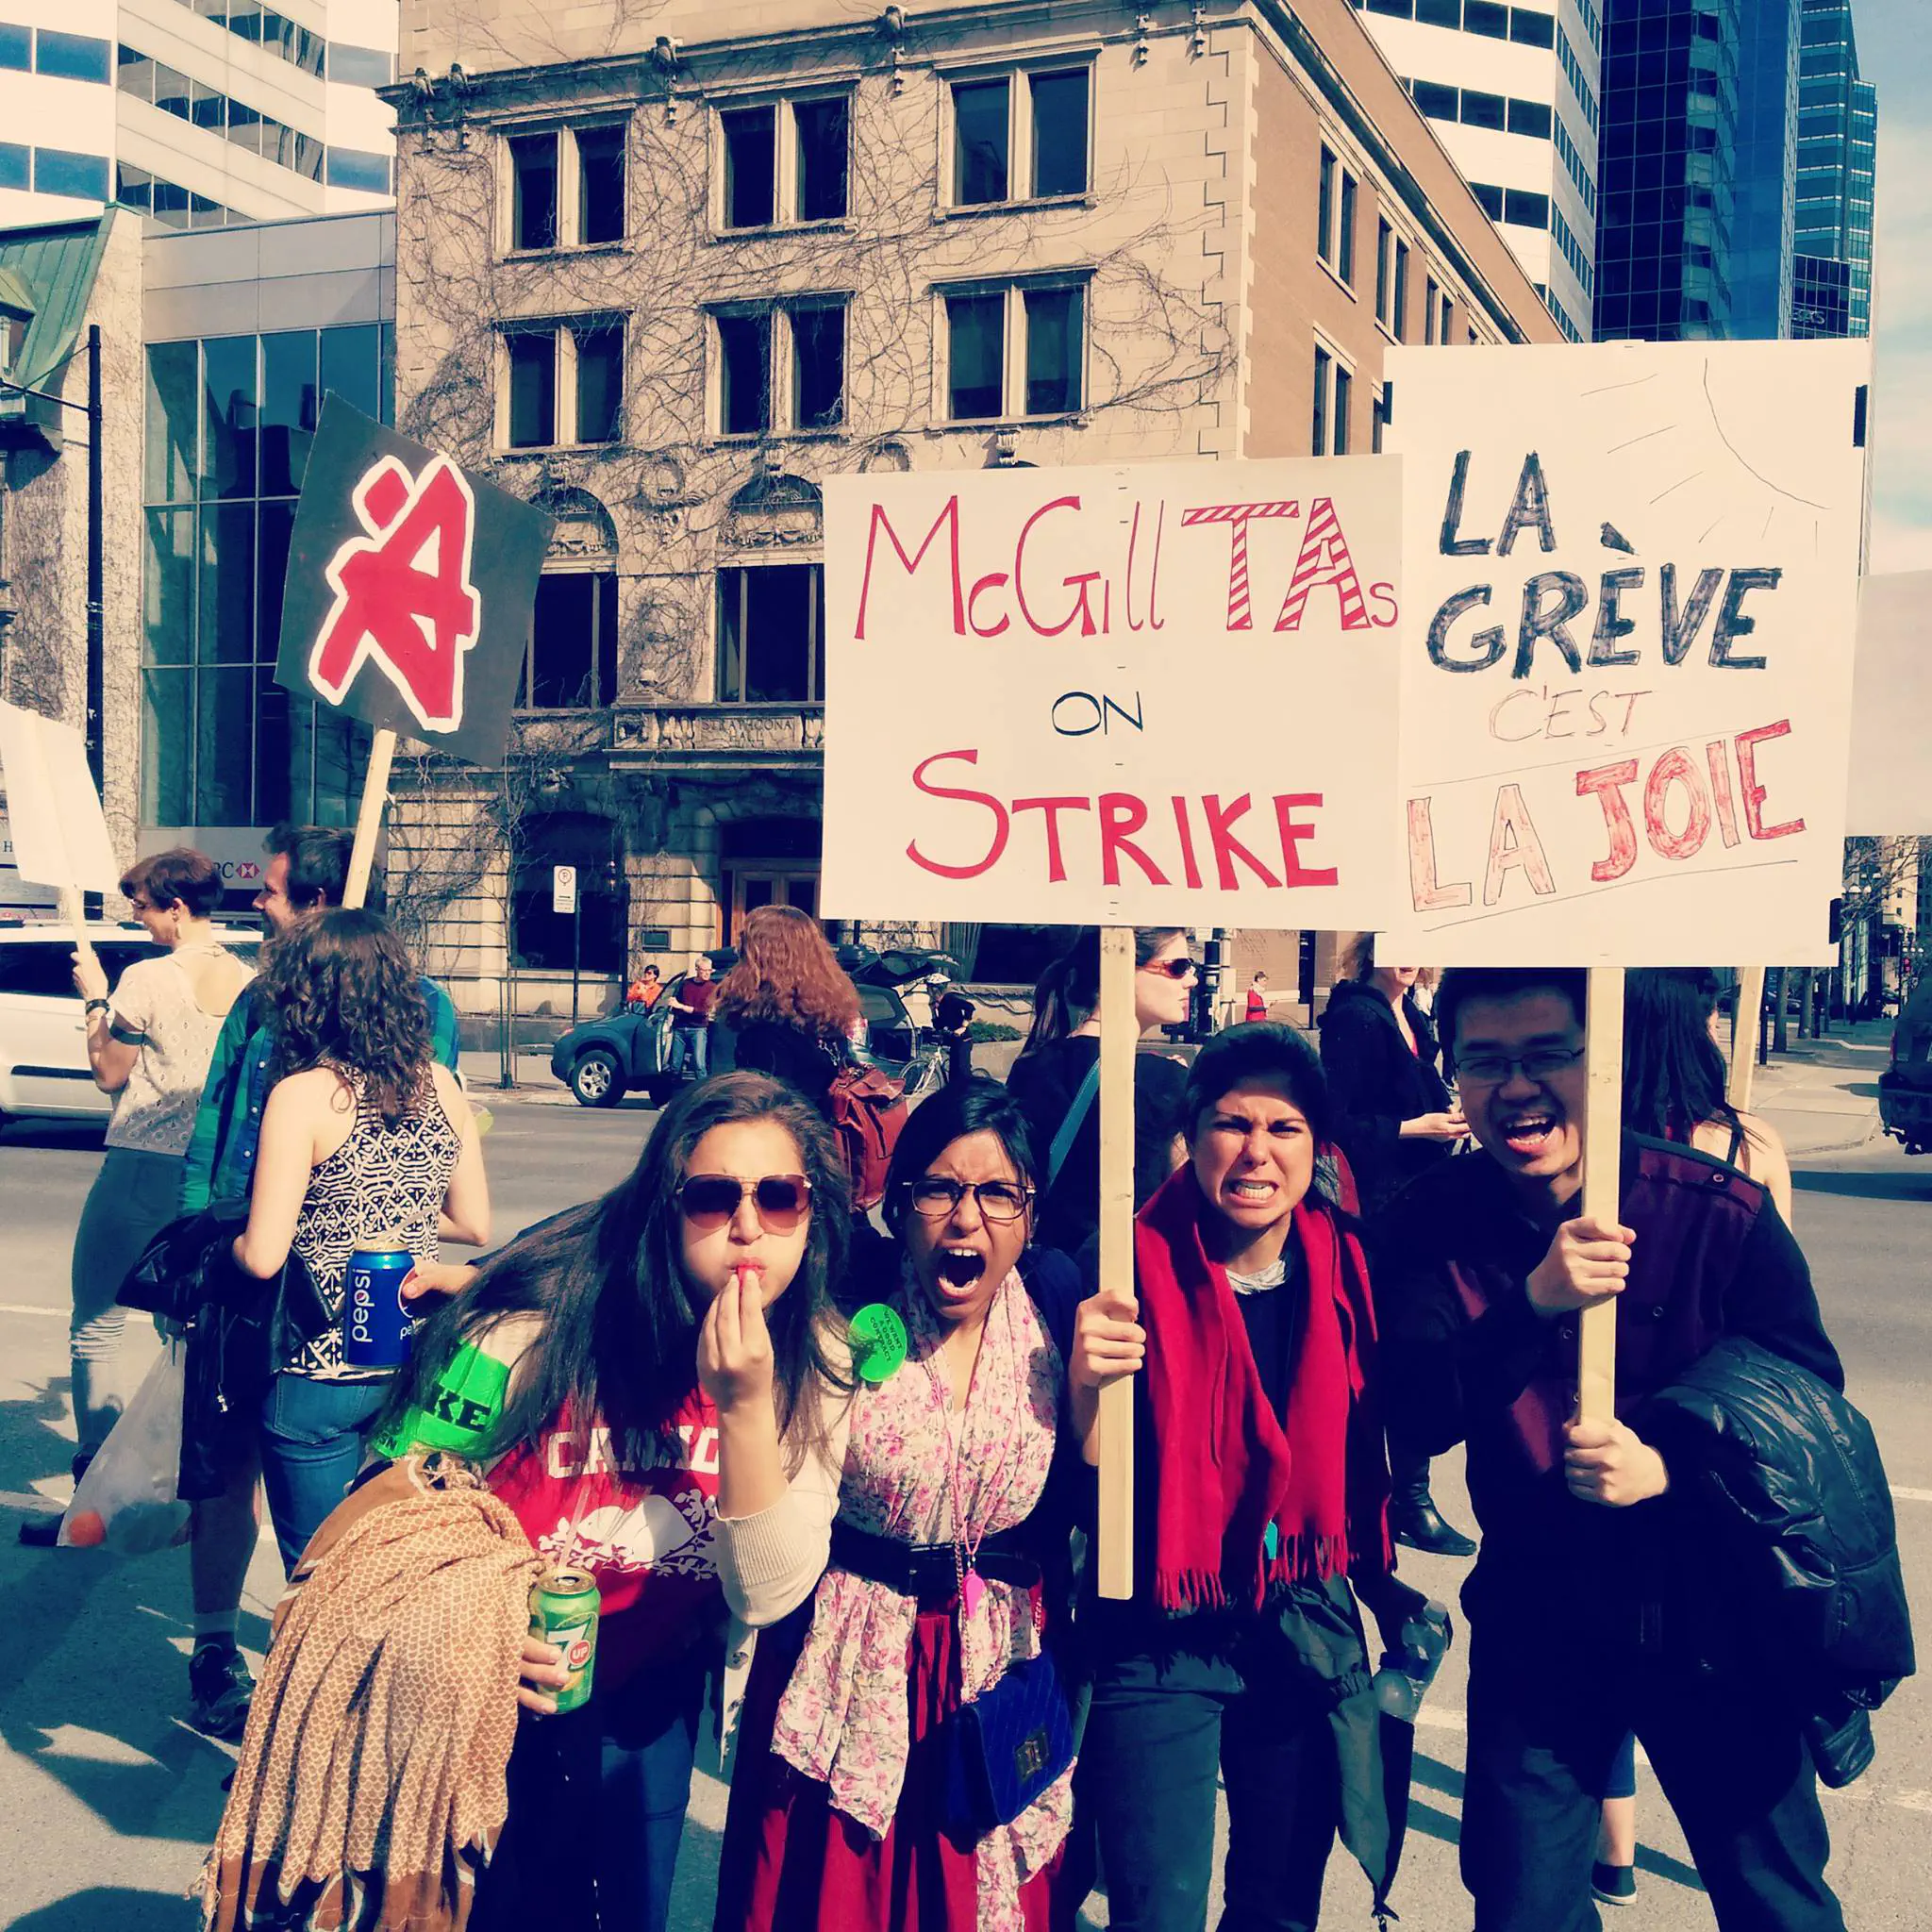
(966, 1546)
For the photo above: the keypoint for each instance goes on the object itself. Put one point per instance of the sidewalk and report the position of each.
(1822, 1095)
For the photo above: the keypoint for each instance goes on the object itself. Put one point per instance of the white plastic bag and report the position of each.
(125, 1501)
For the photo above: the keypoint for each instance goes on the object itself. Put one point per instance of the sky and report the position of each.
(1891, 54)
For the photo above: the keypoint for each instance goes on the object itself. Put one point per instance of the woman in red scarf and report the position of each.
(1261, 1491)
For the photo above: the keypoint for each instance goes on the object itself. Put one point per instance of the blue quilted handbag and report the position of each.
(1006, 1748)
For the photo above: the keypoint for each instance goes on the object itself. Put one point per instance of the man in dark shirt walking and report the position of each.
(1583, 1624)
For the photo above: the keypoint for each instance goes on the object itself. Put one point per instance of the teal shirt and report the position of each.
(220, 1162)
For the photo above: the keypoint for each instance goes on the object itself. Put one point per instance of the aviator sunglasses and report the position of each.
(708, 1201)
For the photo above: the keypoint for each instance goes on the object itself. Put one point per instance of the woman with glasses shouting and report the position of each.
(654, 1381)
(1056, 1077)
(905, 1754)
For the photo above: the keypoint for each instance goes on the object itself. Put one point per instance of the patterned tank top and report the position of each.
(380, 1180)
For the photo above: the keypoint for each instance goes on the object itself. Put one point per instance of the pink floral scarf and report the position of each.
(843, 1720)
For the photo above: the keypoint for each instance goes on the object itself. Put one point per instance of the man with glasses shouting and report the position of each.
(1584, 1624)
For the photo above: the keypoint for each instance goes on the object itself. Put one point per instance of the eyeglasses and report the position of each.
(708, 1201)
(1493, 1069)
(143, 905)
(1183, 968)
(935, 1197)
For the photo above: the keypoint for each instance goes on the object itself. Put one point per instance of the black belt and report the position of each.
(930, 1571)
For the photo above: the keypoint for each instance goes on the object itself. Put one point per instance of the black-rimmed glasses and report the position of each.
(935, 1197)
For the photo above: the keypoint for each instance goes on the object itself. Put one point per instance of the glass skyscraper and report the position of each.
(1736, 170)
(1837, 135)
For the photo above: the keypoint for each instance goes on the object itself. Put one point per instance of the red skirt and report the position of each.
(791, 1863)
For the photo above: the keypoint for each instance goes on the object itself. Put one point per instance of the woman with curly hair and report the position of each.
(787, 1008)
(364, 1137)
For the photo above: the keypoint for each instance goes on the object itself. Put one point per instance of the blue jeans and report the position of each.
(312, 1438)
(691, 1047)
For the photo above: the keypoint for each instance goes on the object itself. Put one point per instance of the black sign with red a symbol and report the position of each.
(409, 590)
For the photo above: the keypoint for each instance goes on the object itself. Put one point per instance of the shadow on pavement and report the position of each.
(87, 1135)
(99, 1702)
(1865, 1187)
(103, 1907)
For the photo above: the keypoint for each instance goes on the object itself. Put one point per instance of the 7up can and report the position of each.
(563, 1612)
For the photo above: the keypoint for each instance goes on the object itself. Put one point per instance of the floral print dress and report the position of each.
(877, 1674)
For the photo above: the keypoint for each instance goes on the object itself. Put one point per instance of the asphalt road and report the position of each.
(107, 1799)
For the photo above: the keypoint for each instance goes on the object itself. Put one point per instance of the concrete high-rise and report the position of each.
(194, 112)
(1838, 135)
(1513, 94)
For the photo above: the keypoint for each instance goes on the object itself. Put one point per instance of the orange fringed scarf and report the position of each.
(371, 1787)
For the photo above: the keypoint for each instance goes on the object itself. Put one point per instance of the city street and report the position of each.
(107, 1800)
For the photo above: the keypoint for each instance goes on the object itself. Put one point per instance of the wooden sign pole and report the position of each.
(382, 751)
(73, 912)
(1603, 1144)
(1114, 1528)
(1747, 1021)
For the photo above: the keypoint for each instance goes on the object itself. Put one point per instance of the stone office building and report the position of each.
(664, 274)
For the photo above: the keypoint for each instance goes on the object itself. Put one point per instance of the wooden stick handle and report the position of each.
(74, 912)
(382, 750)
(1746, 1023)
(1603, 1146)
(1114, 1529)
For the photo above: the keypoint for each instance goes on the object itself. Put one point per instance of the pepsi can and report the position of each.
(376, 1322)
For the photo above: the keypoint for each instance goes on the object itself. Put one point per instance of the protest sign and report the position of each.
(54, 822)
(407, 601)
(1891, 708)
(1626, 664)
(1114, 696)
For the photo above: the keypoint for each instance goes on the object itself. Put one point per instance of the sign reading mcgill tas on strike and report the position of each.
(410, 588)
(1632, 587)
(1115, 695)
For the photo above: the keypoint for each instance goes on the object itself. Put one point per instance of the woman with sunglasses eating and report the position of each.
(1056, 1077)
(653, 1380)
(870, 1793)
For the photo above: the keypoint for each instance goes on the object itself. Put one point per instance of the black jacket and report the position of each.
(1780, 1481)
(1375, 1083)
(1465, 1356)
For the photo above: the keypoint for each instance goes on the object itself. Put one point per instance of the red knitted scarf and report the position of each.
(1224, 1465)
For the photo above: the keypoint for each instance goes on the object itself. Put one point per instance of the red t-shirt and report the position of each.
(698, 994)
(646, 1536)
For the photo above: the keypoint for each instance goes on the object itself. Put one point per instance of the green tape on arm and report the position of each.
(462, 1416)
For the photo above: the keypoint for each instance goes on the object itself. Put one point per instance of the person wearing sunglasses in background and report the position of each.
(1056, 1077)
(948, 1577)
(654, 1381)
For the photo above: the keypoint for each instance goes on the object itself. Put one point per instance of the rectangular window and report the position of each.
(1344, 240)
(1442, 332)
(975, 356)
(751, 163)
(1526, 211)
(74, 57)
(1324, 208)
(600, 184)
(1480, 109)
(1533, 29)
(133, 187)
(16, 47)
(1053, 351)
(572, 659)
(1438, 12)
(1378, 421)
(1398, 323)
(818, 365)
(1435, 100)
(1488, 199)
(1324, 364)
(350, 168)
(134, 72)
(1486, 17)
(357, 66)
(745, 375)
(771, 631)
(600, 381)
(825, 143)
(533, 190)
(980, 124)
(532, 389)
(1344, 390)
(83, 176)
(170, 90)
(1530, 117)
(1385, 244)
(1429, 309)
(229, 393)
(1059, 133)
